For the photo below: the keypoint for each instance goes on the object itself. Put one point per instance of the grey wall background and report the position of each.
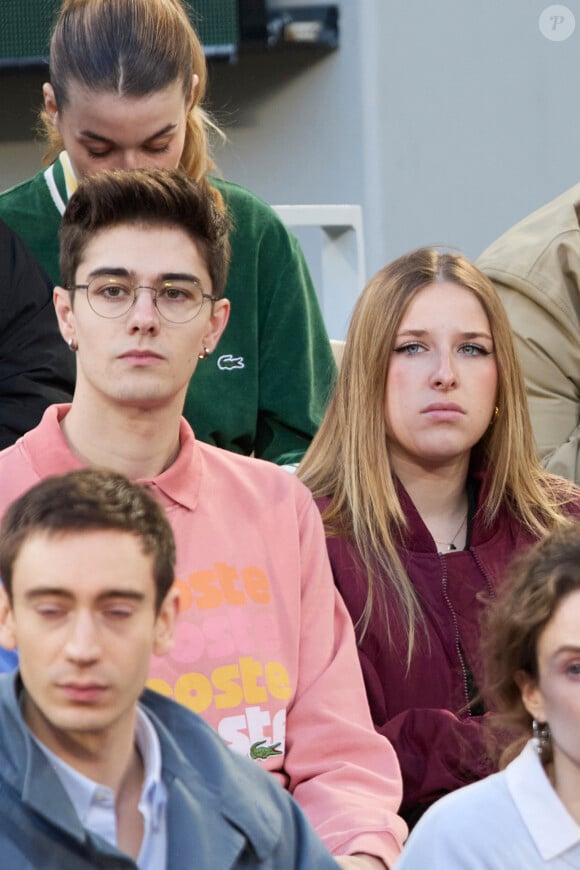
(447, 121)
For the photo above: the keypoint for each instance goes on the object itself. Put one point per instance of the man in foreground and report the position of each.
(93, 773)
(264, 648)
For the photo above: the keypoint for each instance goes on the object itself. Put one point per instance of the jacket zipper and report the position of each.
(458, 649)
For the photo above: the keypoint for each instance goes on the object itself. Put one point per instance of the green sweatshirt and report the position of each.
(265, 388)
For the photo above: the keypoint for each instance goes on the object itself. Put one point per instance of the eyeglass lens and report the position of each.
(178, 302)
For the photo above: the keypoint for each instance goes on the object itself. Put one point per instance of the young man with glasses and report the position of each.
(264, 648)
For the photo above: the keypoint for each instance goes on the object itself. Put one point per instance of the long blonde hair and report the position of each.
(348, 459)
(131, 48)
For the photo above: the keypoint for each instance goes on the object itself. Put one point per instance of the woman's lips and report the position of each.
(443, 411)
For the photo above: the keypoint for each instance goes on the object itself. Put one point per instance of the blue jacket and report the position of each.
(222, 812)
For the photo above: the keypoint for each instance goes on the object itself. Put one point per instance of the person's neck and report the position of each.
(108, 757)
(137, 442)
(440, 496)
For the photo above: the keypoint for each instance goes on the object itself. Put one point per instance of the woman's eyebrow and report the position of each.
(477, 335)
(418, 333)
(97, 137)
(565, 649)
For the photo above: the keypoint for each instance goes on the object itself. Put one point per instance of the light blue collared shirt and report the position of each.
(95, 803)
(512, 819)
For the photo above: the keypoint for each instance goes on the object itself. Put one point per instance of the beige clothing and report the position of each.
(535, 266)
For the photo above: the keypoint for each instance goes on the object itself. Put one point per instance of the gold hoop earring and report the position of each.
(204, 355)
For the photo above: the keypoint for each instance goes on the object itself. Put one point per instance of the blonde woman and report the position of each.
(126, 90)
(425, 473)
(528, 815)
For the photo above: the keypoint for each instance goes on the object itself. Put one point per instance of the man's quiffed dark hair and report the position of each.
(87, 500)
(147, 197)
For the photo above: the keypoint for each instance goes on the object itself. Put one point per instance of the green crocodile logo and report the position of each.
(258, 750)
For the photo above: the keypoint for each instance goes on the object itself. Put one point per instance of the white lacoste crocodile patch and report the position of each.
(226, 362)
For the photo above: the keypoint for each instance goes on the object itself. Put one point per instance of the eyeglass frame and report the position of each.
(209, 297)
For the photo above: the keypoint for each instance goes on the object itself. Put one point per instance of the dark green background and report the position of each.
(25, 25)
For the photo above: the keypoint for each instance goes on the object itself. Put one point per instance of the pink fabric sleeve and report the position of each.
(344, 775)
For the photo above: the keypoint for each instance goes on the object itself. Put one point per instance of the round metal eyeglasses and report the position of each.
(176, 301)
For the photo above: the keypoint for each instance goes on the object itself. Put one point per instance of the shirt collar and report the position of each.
(61, 181)
(50, 453)
(181, 481)
(84, 793)
(81, 790)
(70, 179)
(153, 793)
(549, 823)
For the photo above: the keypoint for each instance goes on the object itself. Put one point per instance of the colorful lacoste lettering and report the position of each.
(258, 750)
(224, 584)
(228, 686)
(252, 726)
(229, 662)
(226, 362)
(221, 636)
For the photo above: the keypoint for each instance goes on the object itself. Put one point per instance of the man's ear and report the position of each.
(7, 627)
(532, 697)
(164, 630)
(64, 313)
(216, 324)
(50, 103)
